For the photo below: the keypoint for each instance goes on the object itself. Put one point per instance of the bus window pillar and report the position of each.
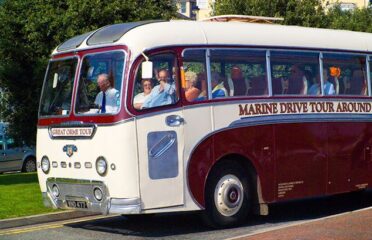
(368, 62)
(268, 74)
(321, 74)
(208, 64)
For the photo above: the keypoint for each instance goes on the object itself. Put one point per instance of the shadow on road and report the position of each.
(173, 225)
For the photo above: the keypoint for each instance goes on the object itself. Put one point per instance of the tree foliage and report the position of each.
(308, 13)
(31, 29)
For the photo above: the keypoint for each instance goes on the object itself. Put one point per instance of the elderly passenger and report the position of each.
(191, 91)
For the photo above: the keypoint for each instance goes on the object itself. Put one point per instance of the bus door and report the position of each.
(160, 141)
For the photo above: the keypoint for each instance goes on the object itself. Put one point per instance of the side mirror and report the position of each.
(147, 69)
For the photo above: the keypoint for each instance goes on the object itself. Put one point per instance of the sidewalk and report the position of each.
(42, 218)
(347, 226)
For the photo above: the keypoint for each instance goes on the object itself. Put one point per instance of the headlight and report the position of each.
(45, 164)
(101, 166)
(98, 194)
(55, 190)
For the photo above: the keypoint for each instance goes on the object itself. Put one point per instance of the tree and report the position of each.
(294, 12)
(31, 29)
(355, 20)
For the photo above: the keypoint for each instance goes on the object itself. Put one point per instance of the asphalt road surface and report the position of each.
(189, 225)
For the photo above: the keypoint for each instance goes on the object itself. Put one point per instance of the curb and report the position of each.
(43, 218)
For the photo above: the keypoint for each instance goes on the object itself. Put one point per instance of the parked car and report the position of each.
(15, 157)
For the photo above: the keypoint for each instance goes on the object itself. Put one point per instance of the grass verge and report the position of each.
(20, 196)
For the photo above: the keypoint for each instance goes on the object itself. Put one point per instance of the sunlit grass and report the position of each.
(20, 196)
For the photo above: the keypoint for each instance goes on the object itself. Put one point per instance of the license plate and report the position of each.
(77, 204)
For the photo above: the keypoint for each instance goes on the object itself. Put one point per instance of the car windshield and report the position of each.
(57, 92)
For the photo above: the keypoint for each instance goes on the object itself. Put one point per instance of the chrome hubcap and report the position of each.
(228, 195)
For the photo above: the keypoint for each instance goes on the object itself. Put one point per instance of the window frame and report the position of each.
(121, 85)
(368, 78)
(136, 66)
(77, 71)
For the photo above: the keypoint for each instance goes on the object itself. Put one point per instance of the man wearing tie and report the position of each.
(108, 99)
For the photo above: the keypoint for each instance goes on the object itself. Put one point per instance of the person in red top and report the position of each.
(191, 91)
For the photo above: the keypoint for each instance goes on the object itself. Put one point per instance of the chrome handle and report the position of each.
(174, 120)
(162, 146)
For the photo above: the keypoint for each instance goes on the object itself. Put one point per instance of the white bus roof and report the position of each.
(148, 35)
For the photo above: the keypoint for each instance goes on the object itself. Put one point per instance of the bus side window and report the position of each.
(195, 85)
(347, 73)
(162, 88)
(242, 72)
(295, 73)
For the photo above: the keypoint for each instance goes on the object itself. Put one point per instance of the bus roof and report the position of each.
(148, 35)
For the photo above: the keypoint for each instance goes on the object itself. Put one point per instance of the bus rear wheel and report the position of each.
(227, 196)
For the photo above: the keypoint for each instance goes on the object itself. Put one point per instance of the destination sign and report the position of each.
(72, 132)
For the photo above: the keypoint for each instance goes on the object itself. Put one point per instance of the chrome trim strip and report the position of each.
(369, 62)
(125, 206)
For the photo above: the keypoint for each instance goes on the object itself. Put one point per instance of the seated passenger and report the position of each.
(191, 91)
(162, 94)
(328, 86)
(202, 84)
(237, 85)
(108, 99)
(297, 83)
(218, 90)
(358, 85)
(140, 98)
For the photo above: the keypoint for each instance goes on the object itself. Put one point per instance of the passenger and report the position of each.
(328, 86)
(297, 83)
(192, 92)
(140, 98)
(237, 86)
(107, 99)
(218, 89)
(202, 84)
(162, 94)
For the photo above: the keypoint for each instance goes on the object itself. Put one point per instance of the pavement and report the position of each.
(42, 218)
(355, 225)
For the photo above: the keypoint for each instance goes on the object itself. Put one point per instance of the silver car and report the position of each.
(15, 158)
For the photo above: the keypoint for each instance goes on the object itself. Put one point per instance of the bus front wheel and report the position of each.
(227, 196)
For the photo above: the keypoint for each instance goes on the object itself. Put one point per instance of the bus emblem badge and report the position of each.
(69, 150)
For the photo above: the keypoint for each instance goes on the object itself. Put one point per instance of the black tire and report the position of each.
(220, 217)
(29, 165)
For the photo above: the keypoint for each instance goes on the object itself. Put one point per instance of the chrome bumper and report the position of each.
(82, 190)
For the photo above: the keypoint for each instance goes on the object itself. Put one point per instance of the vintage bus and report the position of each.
(224, 117)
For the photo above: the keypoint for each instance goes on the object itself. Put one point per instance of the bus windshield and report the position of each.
(100, 83)
(57, 93)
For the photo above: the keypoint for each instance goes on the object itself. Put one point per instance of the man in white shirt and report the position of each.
(108, 99)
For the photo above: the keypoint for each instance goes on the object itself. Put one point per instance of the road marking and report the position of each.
(45, 226)
(296, 223)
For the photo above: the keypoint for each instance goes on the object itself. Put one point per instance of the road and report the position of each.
(189, 225)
